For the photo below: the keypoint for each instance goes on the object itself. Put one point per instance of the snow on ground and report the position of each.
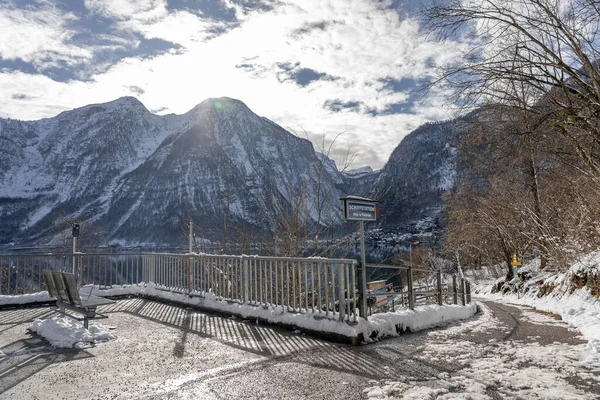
(492, 369)
(384, 324)
(65, 332)
(580, 309)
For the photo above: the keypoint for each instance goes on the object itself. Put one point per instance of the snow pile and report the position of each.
(41, 297)
(25, 298)
(121, 290)
(376, 327)
(562, 293)
(384, 324)
(421, 318)
(66, 332)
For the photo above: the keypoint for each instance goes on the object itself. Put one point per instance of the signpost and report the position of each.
(361, 209)
(358, 209)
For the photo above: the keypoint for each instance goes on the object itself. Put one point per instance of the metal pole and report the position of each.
(246, 280)
(74, 250)
(363, 265)
(462, 291)
(439, 287)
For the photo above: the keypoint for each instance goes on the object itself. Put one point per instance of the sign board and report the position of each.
(380, 287)
(358, 209)
(515, 261)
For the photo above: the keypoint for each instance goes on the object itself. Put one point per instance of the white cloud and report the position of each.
(38, 36)
(358, 42)
(129, 9)
(181, 27)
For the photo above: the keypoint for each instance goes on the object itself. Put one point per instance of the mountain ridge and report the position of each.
(137, 176)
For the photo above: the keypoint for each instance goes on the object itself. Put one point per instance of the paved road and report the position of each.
(167, 352)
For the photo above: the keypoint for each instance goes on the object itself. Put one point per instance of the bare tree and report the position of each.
(549, 47)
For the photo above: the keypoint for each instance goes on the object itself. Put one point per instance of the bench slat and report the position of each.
(60, 287)
(72, 289)
(95, 301)
(50, 286)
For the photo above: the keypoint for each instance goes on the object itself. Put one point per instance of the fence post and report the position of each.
(411, 293)
(246, 280)
(439, 287)
(462, 291)
(342, 288)
(454, 290)
(468, 292)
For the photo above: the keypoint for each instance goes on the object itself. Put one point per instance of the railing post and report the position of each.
(362, 288)
(454, 290)
(411, 293)
(439, 287)
(462, 291)
(246, 279)
(342, 288)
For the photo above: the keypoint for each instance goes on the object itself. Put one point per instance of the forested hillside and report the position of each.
(530, 163)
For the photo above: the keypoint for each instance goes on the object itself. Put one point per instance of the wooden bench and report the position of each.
(63, 287)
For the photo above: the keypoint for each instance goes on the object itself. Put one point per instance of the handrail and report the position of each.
(321, 286)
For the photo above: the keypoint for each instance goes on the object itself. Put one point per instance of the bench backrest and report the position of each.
(50, 286)
(72, 290)
(60, 287)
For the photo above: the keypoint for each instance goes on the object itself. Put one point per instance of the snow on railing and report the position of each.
(325, 287)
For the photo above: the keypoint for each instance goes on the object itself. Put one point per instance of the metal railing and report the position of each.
(408, 287)
(324, 287)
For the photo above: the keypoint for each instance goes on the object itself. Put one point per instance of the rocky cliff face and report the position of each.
(419, 171)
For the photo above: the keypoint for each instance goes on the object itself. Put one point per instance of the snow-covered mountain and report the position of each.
(359, 172)
(138, 177)
(419, 171)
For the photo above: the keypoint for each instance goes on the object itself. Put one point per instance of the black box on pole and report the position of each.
(75, 230)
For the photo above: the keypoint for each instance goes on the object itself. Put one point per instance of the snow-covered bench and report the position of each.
(63, 287)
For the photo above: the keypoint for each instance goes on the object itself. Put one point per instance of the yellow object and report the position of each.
(515, 262)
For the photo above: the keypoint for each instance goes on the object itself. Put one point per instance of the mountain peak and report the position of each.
(221, 103)
(359, 172)
(123, 102)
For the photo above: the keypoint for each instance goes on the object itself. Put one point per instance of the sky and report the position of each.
(322, 69)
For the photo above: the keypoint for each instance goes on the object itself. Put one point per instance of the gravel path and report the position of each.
(168, 352)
